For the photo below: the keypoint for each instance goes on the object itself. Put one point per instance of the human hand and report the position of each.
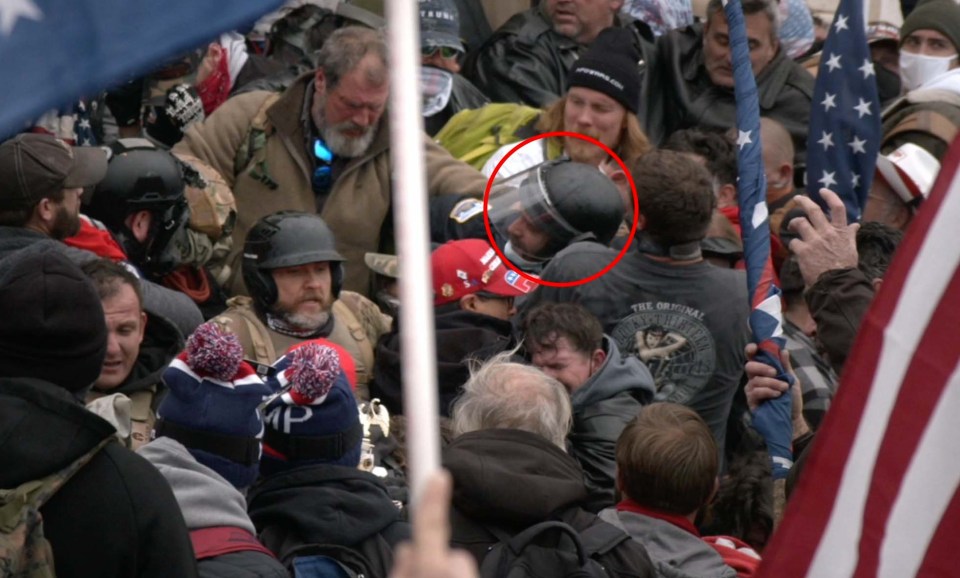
(824, 244)
(763, 385)
(430, 555)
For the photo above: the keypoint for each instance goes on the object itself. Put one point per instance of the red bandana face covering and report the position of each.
(215, 88)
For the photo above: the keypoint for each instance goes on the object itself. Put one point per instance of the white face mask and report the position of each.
(436, 85)
(919, 69)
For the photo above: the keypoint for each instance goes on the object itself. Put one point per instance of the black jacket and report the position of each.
(679, 93)
(511, 479)
(117, 516)
(324, 505)
(525, 61)
(461, 336)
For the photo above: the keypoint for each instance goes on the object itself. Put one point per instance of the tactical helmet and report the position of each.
(142, 177)
(286, 239)
(565, 200)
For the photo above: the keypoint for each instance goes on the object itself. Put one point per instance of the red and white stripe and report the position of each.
(879, 494)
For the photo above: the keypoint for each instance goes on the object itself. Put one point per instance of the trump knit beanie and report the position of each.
(940, 15)
(53, 325)
(212, 405)
(610, 66)
(315, 419)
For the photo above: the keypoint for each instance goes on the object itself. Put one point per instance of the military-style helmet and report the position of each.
(142, 177)
(286, 239)
(563, 200)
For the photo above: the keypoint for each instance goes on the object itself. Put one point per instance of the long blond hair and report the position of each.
(633, 142)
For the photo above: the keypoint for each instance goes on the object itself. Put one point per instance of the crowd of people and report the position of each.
(200, 353)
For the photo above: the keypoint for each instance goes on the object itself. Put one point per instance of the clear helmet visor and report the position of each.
(524, 219)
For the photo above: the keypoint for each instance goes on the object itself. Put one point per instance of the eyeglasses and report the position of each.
(445, 51)
(323, 174)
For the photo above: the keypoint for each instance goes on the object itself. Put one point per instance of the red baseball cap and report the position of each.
(470, 266)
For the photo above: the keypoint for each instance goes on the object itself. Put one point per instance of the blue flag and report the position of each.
(844, 136)
(52, 52)
(766, 321)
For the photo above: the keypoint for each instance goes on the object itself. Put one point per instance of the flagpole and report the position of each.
(413, 245)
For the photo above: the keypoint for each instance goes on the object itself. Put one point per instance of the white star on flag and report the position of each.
(743, 139)
(13, 10)
(828, 179)
(867, 69)
(833, 62)
(855, 180)
(826, 140)
(841, 23)
(84, 123)
(862, 108)
(857, 145)
(829, 101)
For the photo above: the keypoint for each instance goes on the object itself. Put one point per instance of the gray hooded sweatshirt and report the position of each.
(602, 407)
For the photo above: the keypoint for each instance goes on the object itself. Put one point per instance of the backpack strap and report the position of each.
(37, 492)
(599, 539)
(925, 121)
(255, 141)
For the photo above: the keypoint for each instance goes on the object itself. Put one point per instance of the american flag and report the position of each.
(766, 321)
(54, 51)
(880, 494)
(844, 135)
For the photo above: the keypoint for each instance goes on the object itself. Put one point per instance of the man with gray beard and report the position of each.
(295, 275)
(321, 146)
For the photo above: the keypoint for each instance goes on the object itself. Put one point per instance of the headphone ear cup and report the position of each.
(337, 279)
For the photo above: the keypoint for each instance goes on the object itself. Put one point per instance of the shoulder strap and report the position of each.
(256, 136)
(601, 538)
(263, 347)
(343, 314)
(37, 492)
(928, 121)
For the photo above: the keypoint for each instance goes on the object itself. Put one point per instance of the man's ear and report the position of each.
(596, 360)
(727, 196)
(320, 81)
(45, 211)
(468, 302)
(876, 284)
(139, 224)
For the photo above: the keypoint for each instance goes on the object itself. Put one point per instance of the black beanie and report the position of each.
(610, 66)
(53, 325)
(940, 15)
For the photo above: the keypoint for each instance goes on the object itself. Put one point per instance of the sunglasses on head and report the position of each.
(323, 174)
(445, 51)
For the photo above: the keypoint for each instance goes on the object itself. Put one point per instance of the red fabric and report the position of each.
(215, 89)
(879, 493)
(737, 557)
(220, 540)
(733, 215)
(190, 281)
(676, 519)
(97, 241)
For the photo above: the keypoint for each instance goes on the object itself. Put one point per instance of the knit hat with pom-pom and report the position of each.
(212, 404)
(315, 420)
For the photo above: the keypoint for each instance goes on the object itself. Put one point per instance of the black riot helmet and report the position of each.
(565, 201)
(141, 177)
(287, 239)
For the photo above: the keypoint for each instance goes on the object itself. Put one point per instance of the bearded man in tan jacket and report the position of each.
(322, 145)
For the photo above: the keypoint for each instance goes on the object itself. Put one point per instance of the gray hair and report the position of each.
(504, 394)
(770, 7)
(344, 50)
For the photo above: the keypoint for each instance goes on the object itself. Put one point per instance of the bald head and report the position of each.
(777, 158)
